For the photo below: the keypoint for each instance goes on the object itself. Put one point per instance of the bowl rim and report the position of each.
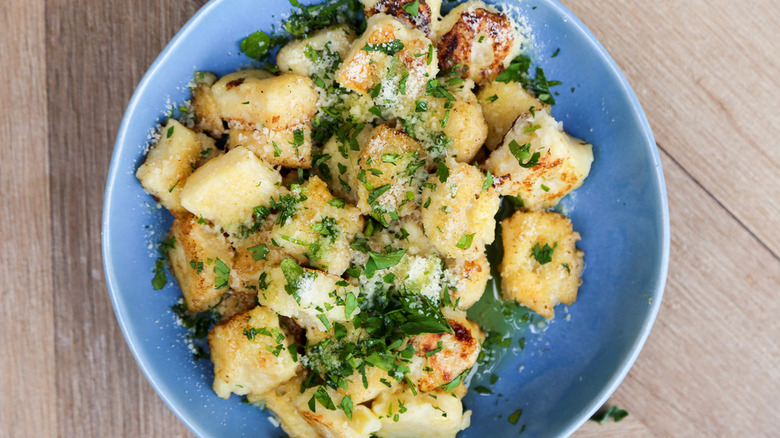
(575, 422)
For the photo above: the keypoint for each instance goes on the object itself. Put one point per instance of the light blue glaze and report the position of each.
(568, 372)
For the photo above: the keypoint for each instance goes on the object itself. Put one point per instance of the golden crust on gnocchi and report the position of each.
(562, 162)
(459, 219)
(423, 16)
(477, 39)
(169, 163)
(542, 265)
(441, 357)
(250, 354)
(195, 258)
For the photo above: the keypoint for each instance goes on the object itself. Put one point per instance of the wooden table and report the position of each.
(706, 73)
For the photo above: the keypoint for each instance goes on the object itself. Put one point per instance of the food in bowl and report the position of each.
(332, 213)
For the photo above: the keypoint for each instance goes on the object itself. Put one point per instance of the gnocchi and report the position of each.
(335, 217)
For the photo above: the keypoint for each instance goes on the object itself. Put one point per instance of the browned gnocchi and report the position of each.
(334, 214)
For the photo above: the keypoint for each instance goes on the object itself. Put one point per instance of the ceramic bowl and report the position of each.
(563, 375)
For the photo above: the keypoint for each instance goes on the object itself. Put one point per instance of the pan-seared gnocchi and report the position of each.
(539, 162)
(419, 14)
(542, 265)
(478, 40)
(335, 215)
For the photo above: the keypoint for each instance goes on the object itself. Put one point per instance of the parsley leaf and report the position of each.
(543, 254)
(259, 252)
(515, 416)
(602, 415)
(518, 71)
(482, 390)
(442, 171)
(350, 304)
(465, 241)
(523, 152)
(160, 280)
(287, 206)
(337, 202)
(252, 333)
(256, 45)
(436, 89)
(223, 274)
(389, 48)
(422, 316)
(384, 261)
(322, 396)
(412, 8)
(438, 348)
(455, 382)
(376, 193)
(346, 406)
(402, 84)
(488, 182)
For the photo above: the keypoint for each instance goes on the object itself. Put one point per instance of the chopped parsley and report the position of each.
(531, 128)
(287, 206)
(438, 348)
(337, 202)
(602, 415)
(346, 403)
(515, 416)
(488, 182)
(543, 254)
(160, 280)
(482, 390)
(465, 242)
(382, 261)
(390, 158)
(376, 193)
(518, 71)
(259, 252)
(454, 383)
(442, 172)
(522, 153)
(197, 266)
(252, 332)
(402, 83)
(222, 278)
(256, 45)
(389, 48)
(321, 396)
(436, 89)
(412, 8)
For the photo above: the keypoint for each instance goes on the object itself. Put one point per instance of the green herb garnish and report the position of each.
(543, 254)
(412, 8)
(522, 153)
(389, 48)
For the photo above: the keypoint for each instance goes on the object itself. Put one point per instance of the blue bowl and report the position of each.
(563, 375)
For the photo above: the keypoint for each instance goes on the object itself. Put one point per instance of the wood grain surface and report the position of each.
(705, 72)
